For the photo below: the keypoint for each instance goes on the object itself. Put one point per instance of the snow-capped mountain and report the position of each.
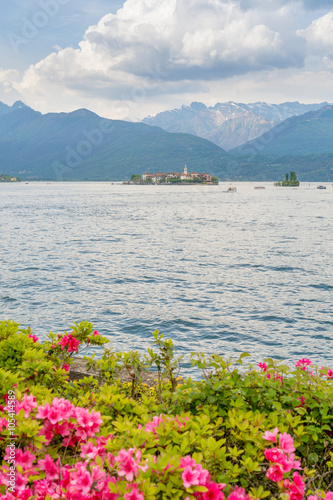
(229, 124)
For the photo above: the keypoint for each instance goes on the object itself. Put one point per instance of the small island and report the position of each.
(289, 180)
(9, 178)
(173, 178)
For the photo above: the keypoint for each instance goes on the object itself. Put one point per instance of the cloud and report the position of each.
(161, 43)
(8, 77)
(155, 52)
(319, 35)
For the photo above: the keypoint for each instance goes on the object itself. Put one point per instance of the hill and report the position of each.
(309, 134)
(83, 146)
(229, 124)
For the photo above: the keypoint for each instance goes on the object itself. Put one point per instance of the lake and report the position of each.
(215, 271)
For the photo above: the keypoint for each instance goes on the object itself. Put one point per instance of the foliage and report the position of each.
(136, 178)
(238, 433)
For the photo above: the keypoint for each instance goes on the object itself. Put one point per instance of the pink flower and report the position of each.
(271, 436)
(151, 426)
(70, 342)
(51, 468)
(329, 495)
(43, 411)
(134, 494)
(238, 494)
(275, 473)
(190, 477)
(329, 375)
(302, 399)
(27, 403)
(286, 443)
(82, 480)
(66, 367)
(128, 467)
(263, 367)
(95, 333)
(274, 455)
(203, 474)
(214, 492)
(34, 338)
(303, 363)
(187, 462)
(296, 488)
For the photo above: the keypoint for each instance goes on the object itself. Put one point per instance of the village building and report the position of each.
(183, 176)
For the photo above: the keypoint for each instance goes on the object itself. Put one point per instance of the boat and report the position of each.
(259, 187)
(321, 187)
(232, 189)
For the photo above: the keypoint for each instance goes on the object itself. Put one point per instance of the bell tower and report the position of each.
(185, 170)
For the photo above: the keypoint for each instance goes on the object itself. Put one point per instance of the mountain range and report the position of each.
(83, 146)
(311, 133)
(229, 124)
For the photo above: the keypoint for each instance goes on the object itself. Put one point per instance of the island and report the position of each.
(173, 178)
(289, 180)
(9, 178)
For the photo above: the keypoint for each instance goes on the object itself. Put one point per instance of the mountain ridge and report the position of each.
(81, 145)
(229, 124)
(311, 133)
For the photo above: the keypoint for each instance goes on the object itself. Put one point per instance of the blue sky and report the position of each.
(138, 57)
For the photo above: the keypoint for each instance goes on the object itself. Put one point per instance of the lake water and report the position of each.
(215, 271)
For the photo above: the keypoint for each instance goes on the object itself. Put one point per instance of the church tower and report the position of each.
(185, 170)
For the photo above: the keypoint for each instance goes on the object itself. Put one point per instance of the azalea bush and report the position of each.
(240, 432)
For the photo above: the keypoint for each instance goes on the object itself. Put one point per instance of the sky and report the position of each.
(134, 58)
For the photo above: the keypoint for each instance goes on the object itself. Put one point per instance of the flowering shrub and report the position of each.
(238, 434)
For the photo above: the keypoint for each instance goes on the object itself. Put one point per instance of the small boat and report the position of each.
(259, 187)
(321, 187)
(232, 189)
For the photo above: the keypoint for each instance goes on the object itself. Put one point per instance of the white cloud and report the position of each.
(8, 78)
(156, 54)
(156, 47)
(319, 35)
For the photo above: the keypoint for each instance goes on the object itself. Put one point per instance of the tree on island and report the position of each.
(136, 178)
(215, 180)
(290, 180)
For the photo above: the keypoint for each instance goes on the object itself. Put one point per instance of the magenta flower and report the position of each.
(70, 342)
(263, 367)
(34, 338)
(95, 333)
(51, 469)
(274, 455)
(296, 488)
(275, 473)
(303, 363)
(214, 491)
